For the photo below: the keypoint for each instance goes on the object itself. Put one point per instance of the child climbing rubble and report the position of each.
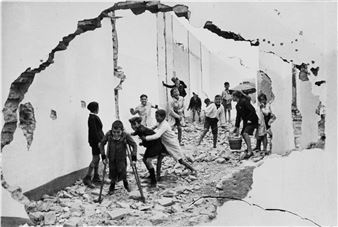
(176, 113)
(154, 148)
(168, 139)
(247, 113)
(265, 119)
(213, 113)
(95, 134)
(118, 140)
(144, 110)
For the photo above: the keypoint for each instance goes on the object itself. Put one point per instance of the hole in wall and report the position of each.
(27, 122)
(83, 104)
(53, 115)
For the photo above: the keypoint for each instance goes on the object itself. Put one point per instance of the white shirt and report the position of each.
(213, 112)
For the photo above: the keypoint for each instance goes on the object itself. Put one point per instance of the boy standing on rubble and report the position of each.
(118, 140)
(213, 113)
(95, 134)
(144, 110)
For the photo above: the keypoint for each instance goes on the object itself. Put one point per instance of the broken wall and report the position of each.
(280, 74)
(307, 104)
(81, 73)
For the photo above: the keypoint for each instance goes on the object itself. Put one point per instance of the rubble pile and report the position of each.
(175, 201)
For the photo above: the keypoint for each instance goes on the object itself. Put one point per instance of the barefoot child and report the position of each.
(195, 106)
(154, 148)
(266, 118)
(95, 134)
(213, 113)
(226, 100)
(247, 113)
(168, 139)
(176, 113)
(144, 110)
(118, 141)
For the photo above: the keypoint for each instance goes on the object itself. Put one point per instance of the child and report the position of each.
(213, 113)
(226, 100)
(195, 106)
(179, 84)
(144, 110)
(118, 141)
(266, 117)
(247, 113)
(176, 114)
(95, 134)
(168, 139)
(154, 148)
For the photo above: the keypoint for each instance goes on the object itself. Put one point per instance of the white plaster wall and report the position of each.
(307, 104)
(281, 77)
(82, 72)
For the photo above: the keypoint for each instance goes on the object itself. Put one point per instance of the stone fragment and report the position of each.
(168, 193)
(134, 195)
(220, 160)
(158, 218)
(73, 221)
(50, 218)
(96, 191)
(122, 205)
(36, 216)
(147, 207)
(165, 202)
(118, 213)
(76, 214)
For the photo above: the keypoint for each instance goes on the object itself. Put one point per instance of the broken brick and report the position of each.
(118, 213)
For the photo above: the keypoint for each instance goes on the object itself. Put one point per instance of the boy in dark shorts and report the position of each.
(118, 140)
(95, 134)
(213, 113)
(154, 148)
(247, 113)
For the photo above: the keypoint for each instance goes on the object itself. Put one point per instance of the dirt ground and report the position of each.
(176, 201)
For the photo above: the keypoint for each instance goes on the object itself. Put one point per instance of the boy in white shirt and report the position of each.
(144, 110)
(213, 113)
(168, 138)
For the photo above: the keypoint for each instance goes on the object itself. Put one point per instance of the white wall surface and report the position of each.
(83, 72)
(280, 73)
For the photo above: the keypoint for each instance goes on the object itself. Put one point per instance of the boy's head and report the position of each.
(226, 85)
(93, 107)
(194, 95)
(160, 115)
(173, 79)
(144, 99)
(207, 101)
(218, 99)
(262, 98)
(236, 95)
(135, 122)
(174, 93)
(117, 129)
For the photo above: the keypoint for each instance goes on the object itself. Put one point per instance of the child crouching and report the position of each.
(168, 139)
(154, 148)
(118, 141)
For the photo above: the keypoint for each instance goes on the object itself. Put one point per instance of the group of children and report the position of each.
(163, 142)
(158, 144)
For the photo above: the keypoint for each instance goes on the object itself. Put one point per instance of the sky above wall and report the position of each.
(301, 31)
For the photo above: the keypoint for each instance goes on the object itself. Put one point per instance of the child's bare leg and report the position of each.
(158, 167)
(179, 130)
(258, 144)
(199, 115)
(202, 136)
(214, 139)
(246, 138)
(193, 115)
(182, 162)
(229, 114)
(265, 143)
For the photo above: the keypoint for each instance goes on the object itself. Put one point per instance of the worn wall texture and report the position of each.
(280, 73)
